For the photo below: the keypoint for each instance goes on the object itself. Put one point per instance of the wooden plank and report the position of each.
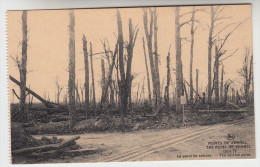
(45, 147)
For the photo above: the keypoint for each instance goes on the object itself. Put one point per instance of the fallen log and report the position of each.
(47, 103)
(52, 106)
(49, 147)
(233, 105)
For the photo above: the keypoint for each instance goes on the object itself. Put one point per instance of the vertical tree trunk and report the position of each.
(122, 86)
(179, 83)
(103, 78)
(125, 78)
(226, 92)
(112, 93)
(156, 58)
(168, 59)
(147, 74)
(245, 73)
(109, 78)
(216, 76)
(221, 84)
(210, 51)
(250, 78)
(23, 70)
(233, 96)
(85, 51)
(71, 84)
(77, 95)
(191, 55)
(197, 86)
(149, 36)
(93, 80)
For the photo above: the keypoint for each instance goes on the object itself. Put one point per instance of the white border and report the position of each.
(61, 4)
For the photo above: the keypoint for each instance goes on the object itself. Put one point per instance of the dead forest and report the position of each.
(155, 102)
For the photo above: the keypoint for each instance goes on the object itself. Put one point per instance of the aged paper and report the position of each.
(131, 84)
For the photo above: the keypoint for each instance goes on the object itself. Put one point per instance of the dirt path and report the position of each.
(172, 144)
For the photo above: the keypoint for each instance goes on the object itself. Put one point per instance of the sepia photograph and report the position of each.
(129, 84)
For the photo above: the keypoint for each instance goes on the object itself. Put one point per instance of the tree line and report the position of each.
(117, 81)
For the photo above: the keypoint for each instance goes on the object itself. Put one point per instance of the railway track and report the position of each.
(143, 151)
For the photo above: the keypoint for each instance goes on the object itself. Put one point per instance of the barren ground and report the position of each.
(173, 144)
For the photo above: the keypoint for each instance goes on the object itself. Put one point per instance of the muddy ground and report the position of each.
(225, 140)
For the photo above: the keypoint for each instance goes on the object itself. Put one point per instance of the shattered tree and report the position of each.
(125, 76)
(167, 87)
(179, 79)
(147, 74)
(71, 84)
(247, 73)
(93, 81)
(85, 51)
(23, 70)
(153, 61)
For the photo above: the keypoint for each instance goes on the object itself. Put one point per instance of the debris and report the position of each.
(45, 147)
(136, 126)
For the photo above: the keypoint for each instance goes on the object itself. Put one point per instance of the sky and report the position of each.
(49, 39)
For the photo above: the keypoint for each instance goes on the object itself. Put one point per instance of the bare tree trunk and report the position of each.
(233, 96)
(112, 93)
(197, 86)
(149, 36)
(125, 78)
(147, 74)
(23, 70)
(250, 77)
(71, 84)
(210, 41)
(247, 74)
(226, 92)
(216, 75)
(156, 58)
(122, 86)
(143, 92)
(93, 80)
(221, 83)
(85, 51)
(77, 95)
(109, 78)
(103, 79)
(179, 82)
(191, 55)
(168, 59)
